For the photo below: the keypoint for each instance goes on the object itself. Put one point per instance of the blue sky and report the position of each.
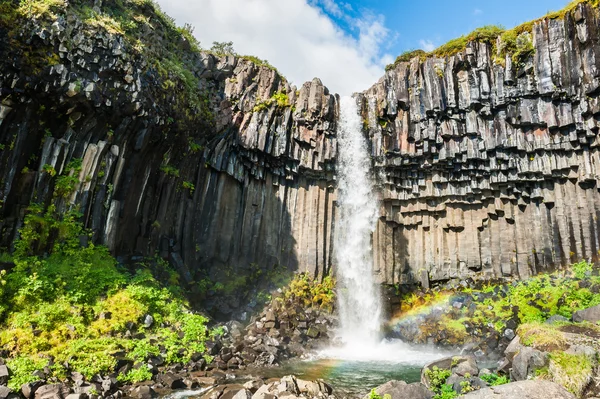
(415, 23)
(346, 43)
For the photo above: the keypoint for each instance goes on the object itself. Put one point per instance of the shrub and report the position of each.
(494, 379)
(437, 378)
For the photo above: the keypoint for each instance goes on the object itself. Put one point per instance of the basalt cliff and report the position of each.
(485, 163)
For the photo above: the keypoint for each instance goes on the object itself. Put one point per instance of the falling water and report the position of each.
(358, 296)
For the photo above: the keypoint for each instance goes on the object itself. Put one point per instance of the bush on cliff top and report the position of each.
(74, 304)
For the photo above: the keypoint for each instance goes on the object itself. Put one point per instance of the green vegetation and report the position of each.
(49, 169)
(76, 305)
(280, 99)
(530, 301)
(494, 379)
(486, 34)
(68, 180)
(542, 336)
(189, 186)
(170, 170)
(437, 378)
(445, 392)
(574, 372)
(311, 292)
(374, 395)
(517, 41)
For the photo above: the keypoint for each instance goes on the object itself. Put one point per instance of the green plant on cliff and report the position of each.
(280, 99)
(485, 34)
(311, 292)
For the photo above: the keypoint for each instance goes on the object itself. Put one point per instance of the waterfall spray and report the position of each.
(358, 294)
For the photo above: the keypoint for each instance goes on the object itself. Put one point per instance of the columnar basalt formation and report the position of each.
(487, 167)
(244, 178)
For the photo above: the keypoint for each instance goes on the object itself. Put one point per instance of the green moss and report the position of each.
(542, 336)
(574, 372)
(188, 186)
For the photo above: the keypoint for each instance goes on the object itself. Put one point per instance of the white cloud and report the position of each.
(477, 11)
(332, 7)
(427, 45)
(294, 36)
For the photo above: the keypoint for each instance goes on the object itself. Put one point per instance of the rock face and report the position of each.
(482, 167)
(242, 181)
(489, 168)
(524, 390)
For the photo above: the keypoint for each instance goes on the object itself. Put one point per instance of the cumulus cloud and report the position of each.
(296, 36)
(427, 45)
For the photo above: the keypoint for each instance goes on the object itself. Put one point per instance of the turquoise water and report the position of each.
(352, 378)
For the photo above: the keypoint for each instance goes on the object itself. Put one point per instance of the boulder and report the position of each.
(402, 390)
(52, 391)
(6, 393)
(513, 348)
(143, 392)
(171, 380)
(538, 389)
(526, 362)
(4, 374)
(467, 368)
(28, 389)
(590, 314)
(313, 388)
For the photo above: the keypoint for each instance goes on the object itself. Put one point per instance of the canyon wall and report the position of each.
(489, 167)
(234, 189)
(485, 167)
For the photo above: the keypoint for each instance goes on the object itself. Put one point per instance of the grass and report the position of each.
(541, 336)
(574, 372)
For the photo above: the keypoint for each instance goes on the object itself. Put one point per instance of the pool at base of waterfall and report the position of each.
(349, 378)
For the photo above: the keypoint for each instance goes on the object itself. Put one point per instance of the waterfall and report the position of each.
(358, 293)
